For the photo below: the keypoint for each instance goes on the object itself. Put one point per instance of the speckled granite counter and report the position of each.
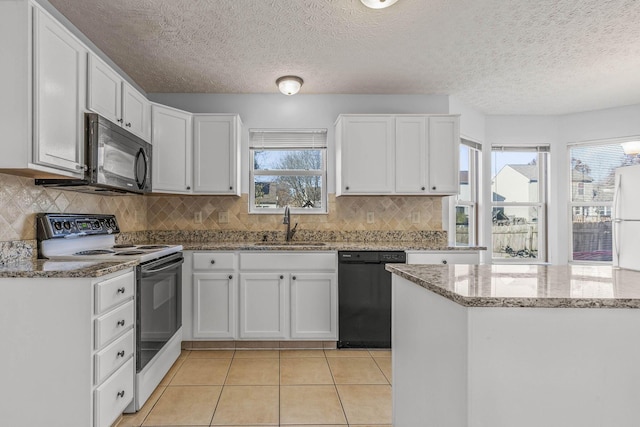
(577, 286)
(39, 268)
(318, 246)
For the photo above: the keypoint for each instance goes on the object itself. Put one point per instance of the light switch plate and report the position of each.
(197, 217)
(223, 217)
(415, 217)
(370, 218)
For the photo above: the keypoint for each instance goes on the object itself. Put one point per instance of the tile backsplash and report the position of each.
(20, 200)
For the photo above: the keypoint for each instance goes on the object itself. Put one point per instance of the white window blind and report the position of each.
(282, 138)
(522, 148)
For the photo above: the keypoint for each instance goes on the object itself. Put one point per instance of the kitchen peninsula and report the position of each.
(515, 345)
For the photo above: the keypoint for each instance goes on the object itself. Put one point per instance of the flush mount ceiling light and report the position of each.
(378, 4)
(289, 85)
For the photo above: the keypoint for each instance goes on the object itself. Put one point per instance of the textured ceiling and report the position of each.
(500, 56)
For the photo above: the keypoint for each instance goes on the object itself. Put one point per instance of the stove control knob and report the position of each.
(57, 225)
(96, 225)
(67, 225)
(112, 223)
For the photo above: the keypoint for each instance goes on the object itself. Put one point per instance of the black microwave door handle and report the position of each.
(146, 166)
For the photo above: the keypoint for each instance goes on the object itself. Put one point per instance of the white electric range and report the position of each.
(158, 297)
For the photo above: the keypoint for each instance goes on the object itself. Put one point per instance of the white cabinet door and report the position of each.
(314, 305)
(263, 305)
(171, 138)
(367, 153)
(443, 257)
(214, 302)
(105, 90)
(444, 140)
(136, 112)
(215, 154)
(411, 155)
(60, 67)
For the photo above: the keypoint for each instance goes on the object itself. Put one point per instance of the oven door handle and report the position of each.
(167, 267)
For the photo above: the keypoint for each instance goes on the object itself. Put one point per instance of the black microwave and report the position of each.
(117, 161)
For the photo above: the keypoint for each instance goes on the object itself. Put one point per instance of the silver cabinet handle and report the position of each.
(188, 187)
(121, 353)
(282, 277)
(230, 277)
(121, 322)
(423, 188)
(121, 290)
(121, 393)
(213, 261)
(433, 188)
(294, 278)
(444, 261)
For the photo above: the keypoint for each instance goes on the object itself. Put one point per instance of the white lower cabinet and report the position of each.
(249, 295)
(55, 371)
(263, 306)
(443, 257)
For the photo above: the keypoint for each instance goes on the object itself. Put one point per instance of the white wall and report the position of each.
(601, 124)
(277, 111)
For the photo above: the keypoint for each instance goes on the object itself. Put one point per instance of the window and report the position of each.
(592, 171)
(465, 208)
(288, 168)
(519, 203)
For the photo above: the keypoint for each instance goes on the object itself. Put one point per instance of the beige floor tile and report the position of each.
(254, 372)
(257, 354)
(247, 405)
(135, 420)
(356, 370)
(309, 370)
(184, 405)
(314, 404)
(202, 372)
(375, 352)
(384, 363)
(366, 404)
(172, 371)
(211, 354)
(347, 353)
(301, 353)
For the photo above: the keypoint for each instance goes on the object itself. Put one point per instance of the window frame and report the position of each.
(475, 150)
(288, 145)
(543, 162)
(601, 204)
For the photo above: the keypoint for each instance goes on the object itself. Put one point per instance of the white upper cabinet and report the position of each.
(171, 167)
(397, 154)
(444, 163)
(43, 86)
(216, 154)
(366, 147)
(116, 100)
(59, 91)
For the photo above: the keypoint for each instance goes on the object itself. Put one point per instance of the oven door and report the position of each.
(159, 306)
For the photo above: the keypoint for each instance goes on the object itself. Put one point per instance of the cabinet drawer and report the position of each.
(112, 292)
(113, 324)
(443, 257)
(214, 260)
(289, 261)
(113, 356)
(112, 397)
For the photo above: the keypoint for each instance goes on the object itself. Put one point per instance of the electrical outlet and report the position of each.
(370, 218)
(197, 217)
(415, 217)
(223, 217)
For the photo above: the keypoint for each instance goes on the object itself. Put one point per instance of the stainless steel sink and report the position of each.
(290, 244)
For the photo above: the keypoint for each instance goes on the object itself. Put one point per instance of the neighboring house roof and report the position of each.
(577, 176)
(497, 197)
(528, 171)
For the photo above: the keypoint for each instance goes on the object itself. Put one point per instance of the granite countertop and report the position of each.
(565, 286)
(42, 268)
(318, 246)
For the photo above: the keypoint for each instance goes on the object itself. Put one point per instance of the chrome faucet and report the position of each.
(287, 220)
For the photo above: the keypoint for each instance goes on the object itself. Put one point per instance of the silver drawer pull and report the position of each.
(213, 261)
(121, 353)
(121, 322)
(121, 393)
(121, 290)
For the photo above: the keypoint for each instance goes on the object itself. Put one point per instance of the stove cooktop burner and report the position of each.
(153, 247)
(130, 252)
(96, 252)
(122, 246)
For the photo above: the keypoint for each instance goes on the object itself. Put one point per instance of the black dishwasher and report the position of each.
(364, 298)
